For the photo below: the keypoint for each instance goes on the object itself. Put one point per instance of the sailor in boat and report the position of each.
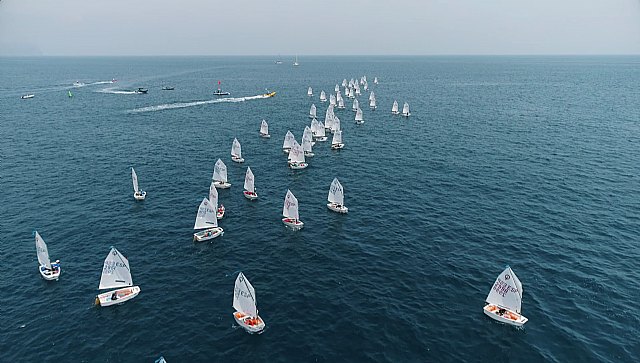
(114, 296)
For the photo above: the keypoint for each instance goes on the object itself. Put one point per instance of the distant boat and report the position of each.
(359, 119)
(47, 270)
(244, 301)
(78, 84)
(394, 109)
(405, 110)
(278, 61)
(289, 139)
(341, 104)
(375, 80)
(344, 82)
(335, 124)
(308, 133)
(137, 193)
(312, 111)
(317, 130)
(113, 80)
(70, 94)
(372, 96)
(27, 96)
(329, 116)
(249, 187)
(307, 143)
(220, 175)
(336, 89)
(336, 197)
(310, 92)
(290, 212)
(220, 92)
(116, 275)
(332, 100)
(236, 151)
(351, 95)
(213, 199)
(206, 222)
(141, 90)
(372, 103)
(296, 158)
(323, 97)
(268, 94)
(264, 129)
(168, 88)
(336, 143)
(295, 63)
(505, 299)
(356, 105)
(160, 360)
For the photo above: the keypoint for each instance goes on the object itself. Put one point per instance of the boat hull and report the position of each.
(406, 114)
(266, 136)
(250, 195)
(286, 151)
(139, 195)
(298, 166)
(293, 223)
(221, 185)
(49, 275)
(252, 326)
(237, 159)
(207, 234)
(321, 139)
(26, 97)
(337, 208)
(337, 146)
(509, 317)
(359, 122)
(123, 295)
(309, 154)
(220, 212)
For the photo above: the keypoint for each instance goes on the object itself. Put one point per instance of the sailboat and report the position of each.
(332, 100)
(335, 125)
(236, 151)
(289, 139)
(307, 147)
(264, 129)
(213, 199)
(308, 133)
(220, 175)
(312, 111)
(336, 88)
(375, 80)
(341, 104)
(336, 143)
(372, 96)
(295, 63)
(290, 212)
(310, 92)
(359, 119)
(49, 271)
(249, 187)
(220, 92)
(27, 96)
(206, 222)
(323, 96)
(505, 299)
(329, 117)
(356, 105)
(394, 109)
(320, 134)
(70, 94)
(344, 82)
(296, 158)
(244, 301)
(116, 275)
(405, 110)
(372, 104)
(137, 193)
(336, 197)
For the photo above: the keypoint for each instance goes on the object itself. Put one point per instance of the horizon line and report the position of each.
(328, 55)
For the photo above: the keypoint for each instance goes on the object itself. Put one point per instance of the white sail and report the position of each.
(506, 291)
(344, 82)
(328, 117)
(341, 103)
(264, 128)
(375, 80)
(289, 139)
(338, 96)
(220, 172)
(356, 104)
(336, 88)
(310, 92)
(359, 115)
(321, 130)
(306, 145)
(394, 109)
(248, 181)
(236, 149)
(314, 127)
(206, 217)
(42, 251)
(336, 193)
(351, 95)
(372, 96)
(323, 96)
(115, 271)
(244, 296)
(332, 100)
(335, 126)
(372, 103)
(213, 195)
(296, 155)
(312, 111)
(307, 134)
(405, 109)
(134, 177)
(337, 138)
(290, 209)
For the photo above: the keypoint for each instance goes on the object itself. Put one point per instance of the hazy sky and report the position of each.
(321, 27)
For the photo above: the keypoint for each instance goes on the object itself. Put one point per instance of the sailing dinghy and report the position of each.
(310, 92)
(236, 151)
(336, 197)
(359, 119)
(505, 299)
(323, 97)
(206, 222)
(244, 301)
(116, 275)
(290, 212)
(288, 142)
(356, 105)
(405, 110)
(394, 108)
(249, 187)
(320, 134)
(336, 89)
(341, 104)
(137, 193)
(264, 129)
(220, 175)
(296, 157)
(332, 100)
(312, 111)
(375, 80)
(213, 199)
(49, 271)
(308, 134)
(336, 143)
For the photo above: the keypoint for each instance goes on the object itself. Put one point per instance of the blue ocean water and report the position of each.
(526, 161)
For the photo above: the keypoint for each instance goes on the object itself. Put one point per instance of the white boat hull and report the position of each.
(286, 151)
(337, 208)
(140, 195)
(266, 136)
(249, 324)
(359, 122)
(237, 159)
(123, 295)
(337, 146)
(293, 223)
(395, 112)
(406, 114)
(221, 185)
(309, 154)
(249, 195)
(48, 274)
(321, 139)
(298, 166)
(509, 317)
(207, 234)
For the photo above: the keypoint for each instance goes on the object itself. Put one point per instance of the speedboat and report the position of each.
(270, 94)
(141, 90)
(167, 88)
(24, 97)
(220, 92)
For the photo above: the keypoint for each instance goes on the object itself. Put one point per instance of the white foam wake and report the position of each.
(114, 91)
(169, 106)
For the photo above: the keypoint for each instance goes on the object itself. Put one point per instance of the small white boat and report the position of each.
(244, 302)
(394, 108)
(351, 94)
(27, 96)
(137, 193)
(359, 119)
(288, 142)
(336, 197)
(312, 111)
(213, 200)
(295, 63)
(405, 110)
(79, 84)
(308, 134)
(296, 158)
(116, 275)
(358, 93)
(220, 175)
(220, 212)
(320, 134)
(206, 222)
(336, 143)
(236, 151)
(341, 104)
(372, 104)
(344, 82)
(372, 96)
(505, 299)
(249, 187)
(356, 105)
(329, 116)
(264, 129)
(332, 100)
(323, 97)
(336, 89)
(49, 271)
(160, 360)
(335, 125)
(307, 147)
(310, 92)
(375, 80)
(290, 212)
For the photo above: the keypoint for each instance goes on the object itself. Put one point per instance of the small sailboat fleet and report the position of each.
(296, 158)
(290, 212)
(359, 118)
(220, 175)
(504, 301)
(310, 92)
(405, 110)
(116, 275)
(336, 197)
(244, 302)
(323, 96)
(394, 108)
(336, 143)
(137, 193)
(206, 222)
(49, 271)
(236, 151)
(249, 187)
(288, 142)
(264, 129)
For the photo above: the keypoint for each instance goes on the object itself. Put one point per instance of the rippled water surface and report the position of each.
(528, 161)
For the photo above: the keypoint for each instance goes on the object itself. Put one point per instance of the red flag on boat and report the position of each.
(218, 83)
